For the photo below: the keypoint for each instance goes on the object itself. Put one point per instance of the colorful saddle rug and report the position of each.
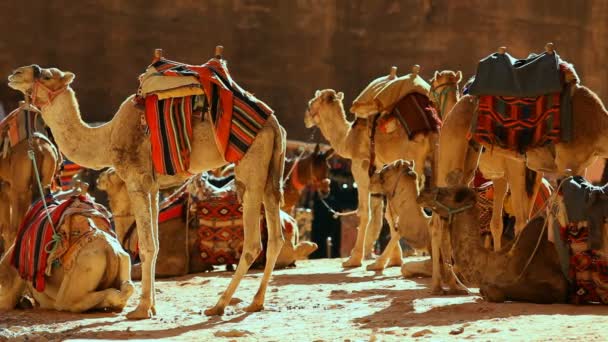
(517, 124)
(67, 172)
(19, 125)
(237, 115)
(415, 113)
(38, 246)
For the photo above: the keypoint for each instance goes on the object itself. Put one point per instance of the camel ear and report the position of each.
(317, 93)
(458, 76)
(340, 96)
(68, 77)
(435, 75)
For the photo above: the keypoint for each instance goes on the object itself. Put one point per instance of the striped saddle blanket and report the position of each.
(237, 116)
(415, 112)
(517, 124)
(38, 246)
(19, 125)
(67, 172)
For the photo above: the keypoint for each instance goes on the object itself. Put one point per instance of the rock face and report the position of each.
(284, 50)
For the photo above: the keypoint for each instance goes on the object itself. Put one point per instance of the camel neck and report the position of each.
(335, 129)
(469, 254)
(79, 142)
(413, 222)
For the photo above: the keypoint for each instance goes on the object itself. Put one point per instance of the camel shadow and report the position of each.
(325, 279)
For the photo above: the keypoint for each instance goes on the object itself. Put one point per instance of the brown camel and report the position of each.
(123, 143)
(17, 173)
(458, 159)
(95, 273)
(178, 241)
(531, 272)
(311, 169)
(351, 140)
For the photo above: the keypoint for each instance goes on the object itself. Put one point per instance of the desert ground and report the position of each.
(317, 301)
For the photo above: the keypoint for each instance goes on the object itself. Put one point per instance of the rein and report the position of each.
(442, 96)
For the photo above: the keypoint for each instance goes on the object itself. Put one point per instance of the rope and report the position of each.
(335, 213)
(295, 163)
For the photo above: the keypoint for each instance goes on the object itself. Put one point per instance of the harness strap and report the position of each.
(442, 96)
(372, 146)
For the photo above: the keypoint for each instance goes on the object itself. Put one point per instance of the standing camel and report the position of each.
(123, 144)
(351, 140)
(458, 159)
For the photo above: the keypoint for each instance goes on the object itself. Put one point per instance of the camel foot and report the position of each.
(142, 312)
(458, 292)
(254, 307)
(352, 262)
(438, 291)
(395, 263)
(215, 311)
(377, 265)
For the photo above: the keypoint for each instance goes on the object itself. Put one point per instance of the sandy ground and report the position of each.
(317, 301)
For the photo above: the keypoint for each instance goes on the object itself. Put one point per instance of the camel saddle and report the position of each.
(522, 104)
(18, 125)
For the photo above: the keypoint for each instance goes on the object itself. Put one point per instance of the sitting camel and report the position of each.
(352, 140)
(123, 143)
(179, 241)
(19, 179)
(94, 271)
(530, 272)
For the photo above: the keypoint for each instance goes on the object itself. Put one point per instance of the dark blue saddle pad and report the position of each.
(503, 75)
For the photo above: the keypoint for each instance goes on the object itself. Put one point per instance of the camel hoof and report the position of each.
(141, 312)
(378, 265)
(214, 311)
(254, 308)
(438, 291)
(395, 263)
(352, 262)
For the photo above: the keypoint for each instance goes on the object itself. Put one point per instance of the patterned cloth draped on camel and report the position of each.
(401, 101)
(175, 91)
(587, 211)
(522, 103)
(19, 125)
(37, 247)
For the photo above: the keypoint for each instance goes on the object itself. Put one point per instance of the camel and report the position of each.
(17, 173)
(351, 140)
(123, 144)
(179, 241)
(458, 159)
(312, 169)
(531, 272)
(5, 216)
(504, 172)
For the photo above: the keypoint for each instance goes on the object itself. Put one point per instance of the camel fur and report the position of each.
(504, 275)
(123, 143)
(351, 141)
(177, 240)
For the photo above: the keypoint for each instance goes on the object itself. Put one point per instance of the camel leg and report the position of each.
(126, 285)
(374, 226)
(422, 268)
(141, 202)
(11, 284)
(78, 288)
(362, 179)
(252, 246)
(516, 176)
(154, 205)
(496, 224)
(275, 242)
(390, 250)
(436, 238)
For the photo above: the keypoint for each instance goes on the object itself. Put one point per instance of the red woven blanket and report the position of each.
(517, 123)
(236, 114)
(416, 113)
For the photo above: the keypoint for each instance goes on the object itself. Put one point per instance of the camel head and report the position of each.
(43, 84)
(109, 182)
(442, 82)
(445, 201)
(325, 101)
(400, 172)
(320, 169)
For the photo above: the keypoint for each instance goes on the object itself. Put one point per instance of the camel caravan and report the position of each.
(196, 176)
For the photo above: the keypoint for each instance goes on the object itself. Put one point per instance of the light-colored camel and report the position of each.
(311, 169)
(177, 240)
(530, 272)
(17, 172)
(351, 140)
(504, 172)
(96, 274)
(5, 216)
(123, 143)
(458, 160)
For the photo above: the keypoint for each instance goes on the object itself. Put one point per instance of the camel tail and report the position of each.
(277, 162)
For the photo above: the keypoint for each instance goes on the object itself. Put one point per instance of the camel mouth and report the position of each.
(308, 121)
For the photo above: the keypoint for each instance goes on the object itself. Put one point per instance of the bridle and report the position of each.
(441, 96)
(451, 212)
(39, 88)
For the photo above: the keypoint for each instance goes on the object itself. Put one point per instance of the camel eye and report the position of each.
(46, 78)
